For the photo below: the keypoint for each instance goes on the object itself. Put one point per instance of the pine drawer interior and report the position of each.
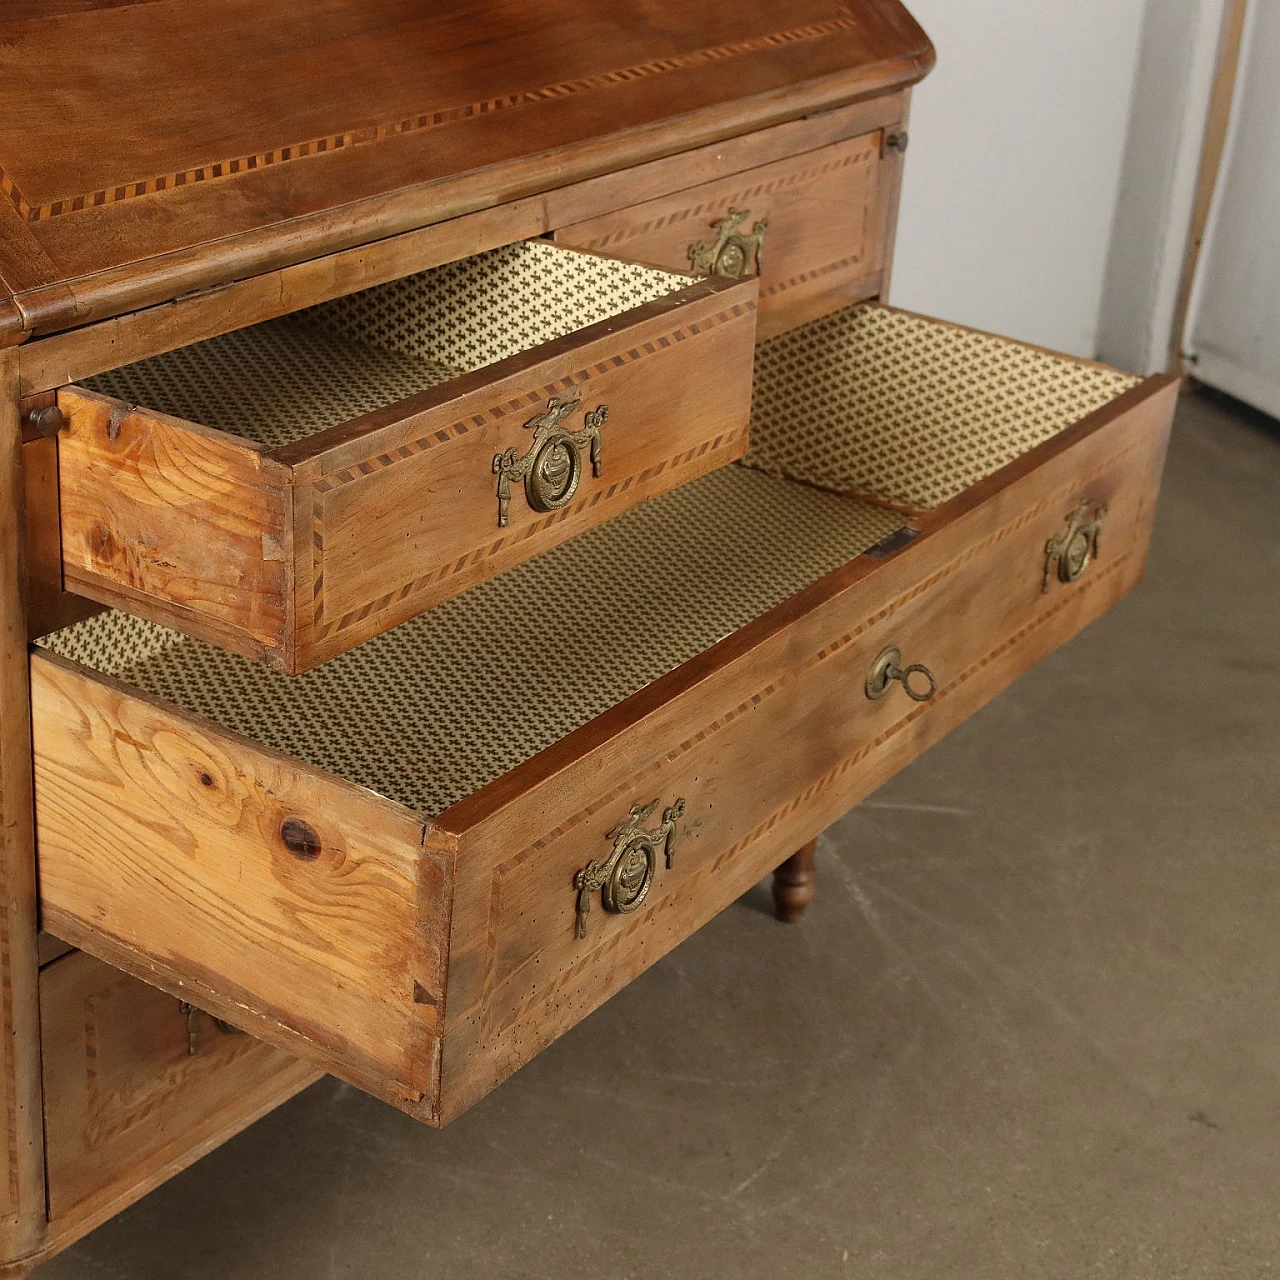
(282, 381)
(860, 420)
(908, 412)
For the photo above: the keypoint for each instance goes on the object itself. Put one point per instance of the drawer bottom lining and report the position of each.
(907, 411)
(283, 380)
(430, 712)
(275, 383)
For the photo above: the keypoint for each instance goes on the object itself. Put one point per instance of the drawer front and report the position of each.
(427, 960)
(136, 1088)
(812, 227)
(775, 746)
(294, 553)
(411, 516)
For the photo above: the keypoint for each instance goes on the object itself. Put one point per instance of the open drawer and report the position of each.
(293, 488)
(421, 863)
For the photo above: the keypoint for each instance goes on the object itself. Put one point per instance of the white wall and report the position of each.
(1157, 191)
(1234, 329)
(1017, 139)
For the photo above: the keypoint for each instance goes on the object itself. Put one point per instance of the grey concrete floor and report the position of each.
(1030, 1028)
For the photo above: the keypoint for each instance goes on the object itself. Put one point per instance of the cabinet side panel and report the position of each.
(22, 1208)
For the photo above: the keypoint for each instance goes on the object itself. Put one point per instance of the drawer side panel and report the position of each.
(270, 894)
(184, 525)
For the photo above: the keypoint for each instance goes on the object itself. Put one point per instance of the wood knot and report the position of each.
(102, 544)
(206, 778)
(300, 839)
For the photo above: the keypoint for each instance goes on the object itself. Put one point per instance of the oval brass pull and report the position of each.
(625, 877)
(888, 667)
(733, 250)
(1069, 553)
(552, 466)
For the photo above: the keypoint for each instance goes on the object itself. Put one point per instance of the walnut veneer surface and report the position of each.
(340, 123)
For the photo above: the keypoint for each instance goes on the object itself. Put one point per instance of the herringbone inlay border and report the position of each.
(1025, 517)
(593, 959)
(715, 207)
(228, 167)
(524, 406)
(596, 959)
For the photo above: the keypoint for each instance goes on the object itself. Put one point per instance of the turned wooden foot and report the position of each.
(793, 884)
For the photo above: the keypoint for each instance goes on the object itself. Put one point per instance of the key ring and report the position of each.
(888, 667)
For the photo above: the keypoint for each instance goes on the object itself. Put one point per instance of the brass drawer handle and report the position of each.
(733, 250)
(1069, 553)
(624, 878)
(888, 667)
(193, 1016)
(552, 466)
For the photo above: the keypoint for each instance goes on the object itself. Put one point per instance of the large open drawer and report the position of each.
(292, 488)
(420, 864)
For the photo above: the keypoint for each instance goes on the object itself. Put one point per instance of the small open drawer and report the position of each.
(419, 864)
(293, 488)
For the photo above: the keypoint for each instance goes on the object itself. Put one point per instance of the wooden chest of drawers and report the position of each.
(470, 533)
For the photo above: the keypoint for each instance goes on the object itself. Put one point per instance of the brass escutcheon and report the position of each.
(624, 878)
(888, 667)
(1069, 553)
(733, 250)
(552, 466)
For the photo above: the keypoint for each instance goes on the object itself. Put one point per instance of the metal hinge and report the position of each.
(895, 140)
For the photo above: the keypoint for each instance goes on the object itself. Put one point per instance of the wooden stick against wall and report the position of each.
(22, 1184)
(1221, 97)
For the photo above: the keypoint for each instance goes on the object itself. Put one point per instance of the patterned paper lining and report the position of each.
(283, 380)
(433, 710)
(906, 410)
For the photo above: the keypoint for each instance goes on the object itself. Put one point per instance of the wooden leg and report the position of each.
(793, 884)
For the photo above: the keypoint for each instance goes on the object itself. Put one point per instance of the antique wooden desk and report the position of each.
(415, 622)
